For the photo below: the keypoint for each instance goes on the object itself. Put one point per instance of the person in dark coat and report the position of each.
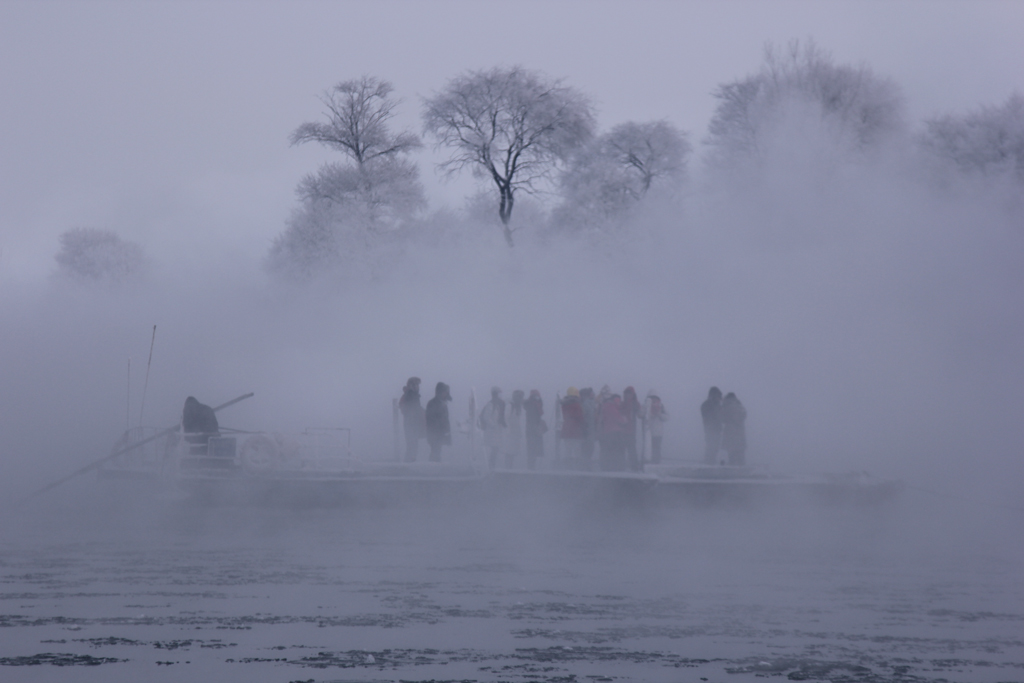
(198, 423)
(198, 418)
(412, 417)
(711, 414)
(535, 428)
(734, 431)
(439, 429)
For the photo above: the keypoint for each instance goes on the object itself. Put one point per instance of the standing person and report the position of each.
(412, 417)
(631, 410)
(515, 428)
(655, 418)
(438, 427)
(535, 428)
(492, 422)
(611, 428)
(734, 431)
(589, 405)
(572, 426)
(711, 414)
(198, 424)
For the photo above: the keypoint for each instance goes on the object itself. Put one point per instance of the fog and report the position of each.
(867, 325)
(864, 304)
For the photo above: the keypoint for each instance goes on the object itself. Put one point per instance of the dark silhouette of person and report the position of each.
(734, 432)
(439, 429)
(198, 423)
(711, 414)
(412, 417)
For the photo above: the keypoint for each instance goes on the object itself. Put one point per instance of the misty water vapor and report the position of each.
(854, 276)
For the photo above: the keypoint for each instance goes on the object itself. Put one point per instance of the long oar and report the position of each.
(145, 386)
(121, 451)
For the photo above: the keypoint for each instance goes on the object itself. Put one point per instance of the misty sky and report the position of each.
(167, 122)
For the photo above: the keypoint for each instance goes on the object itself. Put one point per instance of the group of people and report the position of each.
(431, 422)
(605, 423)
(608, 422)
(724, 428)
(505, 431)
(586, 422)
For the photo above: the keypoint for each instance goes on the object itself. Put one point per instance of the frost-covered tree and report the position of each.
(94, 255)
(860, 108)
(358, 112)
(382, 192)
(615, 171)
(509, 125)
(346, 207)
(988, 141)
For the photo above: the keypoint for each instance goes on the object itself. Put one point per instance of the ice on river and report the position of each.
(100, 589)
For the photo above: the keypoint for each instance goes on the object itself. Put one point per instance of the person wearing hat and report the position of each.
(439, 429)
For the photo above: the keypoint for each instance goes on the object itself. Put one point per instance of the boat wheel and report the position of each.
(260, 453)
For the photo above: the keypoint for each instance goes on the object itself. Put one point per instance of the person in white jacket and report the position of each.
(492, 422)
(654, 419)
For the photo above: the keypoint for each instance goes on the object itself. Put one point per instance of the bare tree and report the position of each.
(381, 193)
(358, 112)
(607, 177)
(646, 152)
(345, 208)
(988, 141)
(858, 104)
(94, 255)
(510, 125)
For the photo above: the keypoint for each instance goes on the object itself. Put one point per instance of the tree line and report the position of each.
(521, 133)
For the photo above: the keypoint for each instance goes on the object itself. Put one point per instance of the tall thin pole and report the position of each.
(128, 399)
(145, 385)
(394, 426)
(472, 426)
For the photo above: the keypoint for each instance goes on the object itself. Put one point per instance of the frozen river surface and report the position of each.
(163, 590)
